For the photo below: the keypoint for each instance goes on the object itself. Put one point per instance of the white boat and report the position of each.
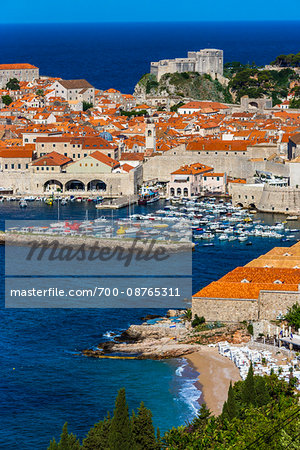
(23, 203)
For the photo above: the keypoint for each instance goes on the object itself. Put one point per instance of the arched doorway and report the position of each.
(240, 205)
(96, 185)
(178, 191)
(172, 191)
(74, 185)
(185, 192)
(53, 186)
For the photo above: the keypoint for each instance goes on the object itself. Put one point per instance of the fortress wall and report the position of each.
(271, 304)
(280, 199)
(161, 166)
(245, 194)
(225, 310)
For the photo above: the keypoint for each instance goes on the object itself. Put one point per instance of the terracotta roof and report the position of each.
(192, 169)
(16, 66)
(16, 152)
(132, 157)
(75, 84)
(52, 159)
(105, 159)
(217, 145)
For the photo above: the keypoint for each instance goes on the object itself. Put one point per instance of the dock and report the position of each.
(119, 202)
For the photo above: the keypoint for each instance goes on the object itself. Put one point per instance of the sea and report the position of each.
(118, 54)
(44, 381)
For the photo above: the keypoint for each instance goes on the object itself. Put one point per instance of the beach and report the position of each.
(215, 374)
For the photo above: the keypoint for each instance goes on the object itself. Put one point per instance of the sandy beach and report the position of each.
(216, 372)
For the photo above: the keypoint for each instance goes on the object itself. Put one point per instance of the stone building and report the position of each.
(75, 147)
(74, 90)
(23, 72)
(248, 293)
(208, 60)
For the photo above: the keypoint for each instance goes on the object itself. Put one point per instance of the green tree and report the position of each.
(97, 437)
(40, 93)
(67, 441)
(143, 430)
(293, 315)
(13, 84)
(248, 394)
(86, 106)
(120, 434)
(7, 100)
(231, 404)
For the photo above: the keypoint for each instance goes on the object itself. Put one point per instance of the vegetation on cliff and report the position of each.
(254, 82)
(184, 85)
(290, 60)
(260, 412)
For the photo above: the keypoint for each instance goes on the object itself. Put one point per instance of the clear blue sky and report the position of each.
(39, 11)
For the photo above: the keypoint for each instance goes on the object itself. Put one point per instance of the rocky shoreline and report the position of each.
(146, 342)
(166, 338)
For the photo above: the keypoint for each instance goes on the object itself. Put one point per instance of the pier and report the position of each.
(119, 202)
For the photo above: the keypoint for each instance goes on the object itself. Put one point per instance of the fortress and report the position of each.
(208, 60)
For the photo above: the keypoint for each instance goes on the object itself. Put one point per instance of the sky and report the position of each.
(69, 11)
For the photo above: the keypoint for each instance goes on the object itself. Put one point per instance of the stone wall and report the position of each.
(225, 310)
(284, 200)
(271, 304)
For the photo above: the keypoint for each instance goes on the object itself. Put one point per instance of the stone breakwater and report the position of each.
(26, 239)
(146, 342)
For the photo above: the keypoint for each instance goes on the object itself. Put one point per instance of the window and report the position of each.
(25, 140)
(53, 145)
(109, 154)
(204, 178)
(19, 166)
(43, 145)
(52, 168)
(65, 154)
(12, 166)
(26, 166)
(218, 178)
(65, 145)
(47, 168)
(78, 155)
(74, 156)
(73, 145)
(37, 168)
(85, 155)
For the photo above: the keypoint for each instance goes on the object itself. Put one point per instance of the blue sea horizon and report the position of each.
(118, 54)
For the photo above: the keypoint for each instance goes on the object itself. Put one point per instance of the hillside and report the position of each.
(182, 85)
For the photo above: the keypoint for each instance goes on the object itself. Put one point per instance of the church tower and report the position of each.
(150, 136)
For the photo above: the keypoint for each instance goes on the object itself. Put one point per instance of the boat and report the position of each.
(148, 195)
(23, 203)
(292, 218)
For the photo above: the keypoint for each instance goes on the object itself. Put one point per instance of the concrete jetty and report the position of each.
(119, 202)
(25, 239)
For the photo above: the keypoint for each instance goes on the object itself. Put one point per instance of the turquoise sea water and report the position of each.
(45, 382)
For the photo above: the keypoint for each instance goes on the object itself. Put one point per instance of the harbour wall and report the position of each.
(273, 199)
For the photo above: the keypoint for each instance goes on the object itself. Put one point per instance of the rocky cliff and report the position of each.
(182, 85)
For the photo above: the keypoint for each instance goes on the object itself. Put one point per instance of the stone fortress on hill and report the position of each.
(208, 60)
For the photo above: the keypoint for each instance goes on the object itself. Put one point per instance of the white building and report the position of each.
(74, 90)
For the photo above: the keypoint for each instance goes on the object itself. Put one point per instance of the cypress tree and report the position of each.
(143, 429)
(67, 441)
(53, 445)
(231, 403)
(261, 390)
(249, 396)
(97, 437)
(120, 435)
